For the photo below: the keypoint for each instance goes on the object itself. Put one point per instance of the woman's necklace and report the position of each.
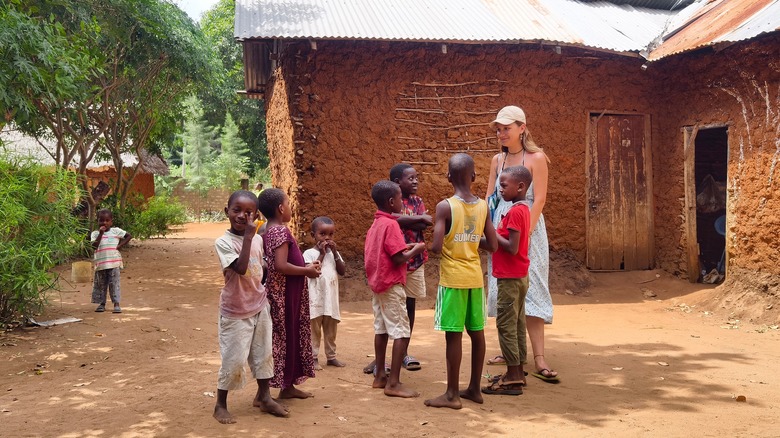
(513, 153)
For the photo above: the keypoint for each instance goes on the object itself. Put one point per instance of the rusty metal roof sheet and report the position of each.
(604, 25)
(715, 21)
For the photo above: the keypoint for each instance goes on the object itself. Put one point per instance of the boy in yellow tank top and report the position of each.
(461, 222)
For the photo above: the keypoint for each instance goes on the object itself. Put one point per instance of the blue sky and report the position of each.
(194, 8)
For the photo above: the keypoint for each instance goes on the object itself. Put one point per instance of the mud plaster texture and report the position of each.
(340, 116)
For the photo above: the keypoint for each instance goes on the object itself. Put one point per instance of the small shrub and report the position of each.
(37, 232)
(160, 214)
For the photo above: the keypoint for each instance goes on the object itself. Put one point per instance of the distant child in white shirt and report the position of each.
(107, 240)
(324, 290)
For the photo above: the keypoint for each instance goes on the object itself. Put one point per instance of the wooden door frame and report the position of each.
(648, 159)
(689, 179)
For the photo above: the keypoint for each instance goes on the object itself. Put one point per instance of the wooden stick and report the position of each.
(448, 150)
(444, 85)
(479, 140)
(460, 126)
(420, 110)
(468, 96)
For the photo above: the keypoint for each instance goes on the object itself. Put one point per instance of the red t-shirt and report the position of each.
(506, 265)
(383, 241)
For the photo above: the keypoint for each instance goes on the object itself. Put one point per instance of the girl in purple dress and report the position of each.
(288, 294)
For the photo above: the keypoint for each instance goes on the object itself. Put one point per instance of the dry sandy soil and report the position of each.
(630, 365)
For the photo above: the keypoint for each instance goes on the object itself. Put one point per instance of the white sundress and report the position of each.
(538, 301)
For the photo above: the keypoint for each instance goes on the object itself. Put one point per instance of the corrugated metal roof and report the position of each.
(711, 22)
(669, 5)
(604, 25)
(595, 24)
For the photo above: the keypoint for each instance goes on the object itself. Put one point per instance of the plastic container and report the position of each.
(81, 272)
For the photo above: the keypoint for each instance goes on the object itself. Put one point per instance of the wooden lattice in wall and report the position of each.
(437, 119)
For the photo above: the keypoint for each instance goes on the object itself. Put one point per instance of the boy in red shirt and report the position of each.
(386, 254)
(510, 267)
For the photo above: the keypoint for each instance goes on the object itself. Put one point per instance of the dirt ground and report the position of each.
(630, 365)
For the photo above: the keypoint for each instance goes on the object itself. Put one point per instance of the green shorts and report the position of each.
(459, 308)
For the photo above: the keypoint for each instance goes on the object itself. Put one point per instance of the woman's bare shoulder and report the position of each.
(536, 157)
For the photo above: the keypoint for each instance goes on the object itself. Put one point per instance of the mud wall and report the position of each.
(284, 141)
(361, 107)
(739, 87)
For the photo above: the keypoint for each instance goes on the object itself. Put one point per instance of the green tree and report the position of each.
(40, 62)
(148, 55)
(198, 152)
(232, 163)
(220, 98)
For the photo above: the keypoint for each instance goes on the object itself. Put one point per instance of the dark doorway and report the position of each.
(711, 174)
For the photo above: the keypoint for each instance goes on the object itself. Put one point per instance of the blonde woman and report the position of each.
(518, 148)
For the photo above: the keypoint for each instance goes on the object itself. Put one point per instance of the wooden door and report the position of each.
(619, 217)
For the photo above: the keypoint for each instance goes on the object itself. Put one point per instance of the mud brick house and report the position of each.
(659, 116)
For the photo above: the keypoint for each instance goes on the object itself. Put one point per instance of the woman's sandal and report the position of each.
(546, 375)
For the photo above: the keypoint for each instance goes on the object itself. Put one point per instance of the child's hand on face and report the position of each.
(251, 224)
(322, 246)
(332, 245)
(103, 229)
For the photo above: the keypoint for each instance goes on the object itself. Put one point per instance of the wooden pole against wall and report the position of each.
(689, 175)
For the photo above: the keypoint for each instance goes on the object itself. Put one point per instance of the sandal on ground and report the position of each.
(546, 375)
(497, 377)
(101, 308)
(411, 364)
(497, 360)
(503, 388)
(117, 309)
(371, 368)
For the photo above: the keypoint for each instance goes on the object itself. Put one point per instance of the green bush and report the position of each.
(148, 219)
(161, 213)
(37, 232)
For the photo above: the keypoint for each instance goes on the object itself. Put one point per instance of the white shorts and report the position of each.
(390, 313)
(241, 341)
(415, 283)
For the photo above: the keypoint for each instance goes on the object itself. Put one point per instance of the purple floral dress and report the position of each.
(289, 298)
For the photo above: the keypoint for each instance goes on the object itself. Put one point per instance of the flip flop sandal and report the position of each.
(498, 388)
(496, 360)
(371, 368)
(549, 379)
(411, 364)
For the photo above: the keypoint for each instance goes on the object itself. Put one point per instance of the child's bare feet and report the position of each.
(293, 392)
(444, 401)
(271, 406)
(475, 396)
(399, 390)
(222, 415)
(379, 382)
(317, 366)
(336, 363)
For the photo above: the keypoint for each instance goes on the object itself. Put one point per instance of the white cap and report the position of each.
(509, 115)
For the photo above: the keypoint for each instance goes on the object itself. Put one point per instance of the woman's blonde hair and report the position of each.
(529, 144)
